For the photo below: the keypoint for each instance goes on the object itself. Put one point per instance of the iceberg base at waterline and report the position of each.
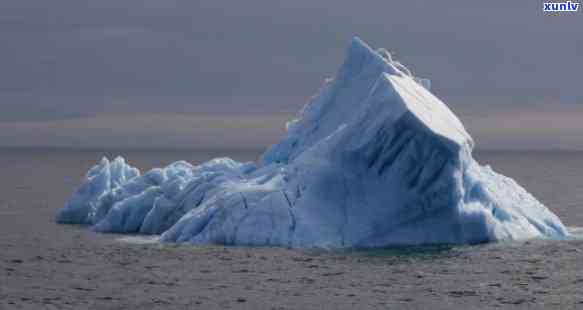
(373, 160)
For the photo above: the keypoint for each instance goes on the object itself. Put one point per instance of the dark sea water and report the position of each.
(45, 265)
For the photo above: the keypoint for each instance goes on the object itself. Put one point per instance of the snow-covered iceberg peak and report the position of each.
(363, 74)
(373, 160)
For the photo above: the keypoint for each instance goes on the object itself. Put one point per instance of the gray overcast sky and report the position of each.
(95, 73)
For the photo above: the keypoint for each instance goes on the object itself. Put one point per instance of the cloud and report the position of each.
(127, 130)
(68, 59)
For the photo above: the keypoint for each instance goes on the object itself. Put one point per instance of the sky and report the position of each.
(227, 74)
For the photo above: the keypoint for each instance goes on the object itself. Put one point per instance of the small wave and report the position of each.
(576, 232)
(139, 239)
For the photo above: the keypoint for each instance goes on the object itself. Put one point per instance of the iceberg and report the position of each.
(373, 160)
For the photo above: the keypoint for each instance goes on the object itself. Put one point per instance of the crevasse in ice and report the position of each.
(373, 160)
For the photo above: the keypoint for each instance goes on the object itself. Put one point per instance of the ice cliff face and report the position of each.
(373, 160)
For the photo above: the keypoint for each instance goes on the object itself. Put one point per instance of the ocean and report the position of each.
(45, 265)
